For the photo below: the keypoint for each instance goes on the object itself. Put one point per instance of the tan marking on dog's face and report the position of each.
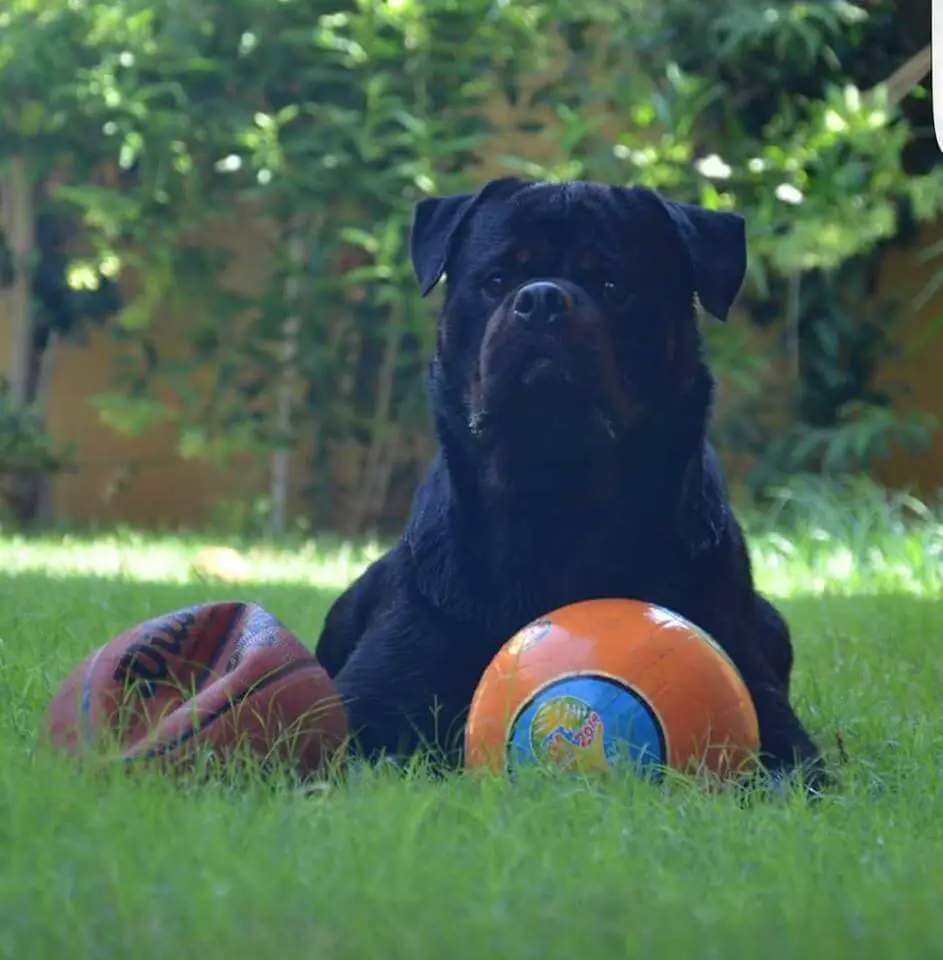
(588, 261)
(620, 397)
(523, 256)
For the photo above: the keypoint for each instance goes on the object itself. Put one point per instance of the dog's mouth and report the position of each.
(556, 440)
(544, 395)
(544, 371)
(541, 369)
(542, 374)
(544, 360)
(551, 389)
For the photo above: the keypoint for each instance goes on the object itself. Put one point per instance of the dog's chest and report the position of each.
(532, 575)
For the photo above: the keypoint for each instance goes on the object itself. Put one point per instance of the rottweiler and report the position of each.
(571, 396)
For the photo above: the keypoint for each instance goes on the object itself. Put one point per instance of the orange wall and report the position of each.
(142, 479)
(920, 364)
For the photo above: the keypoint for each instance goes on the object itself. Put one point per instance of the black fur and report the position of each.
(573, 458)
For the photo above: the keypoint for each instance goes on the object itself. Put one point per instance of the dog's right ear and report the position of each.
(437, 221)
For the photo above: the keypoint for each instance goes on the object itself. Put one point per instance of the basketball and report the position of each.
(610, 683)
(216, 678)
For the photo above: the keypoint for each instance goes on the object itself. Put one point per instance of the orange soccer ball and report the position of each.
(605, 683)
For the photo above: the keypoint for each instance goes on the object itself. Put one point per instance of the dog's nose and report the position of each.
(540, 302)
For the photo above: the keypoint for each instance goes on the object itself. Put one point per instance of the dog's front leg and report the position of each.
(787, 751)
(404, 689)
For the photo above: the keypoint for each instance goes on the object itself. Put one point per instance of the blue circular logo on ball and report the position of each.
(588, 724)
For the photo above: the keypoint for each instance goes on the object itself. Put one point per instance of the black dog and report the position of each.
(571, 398)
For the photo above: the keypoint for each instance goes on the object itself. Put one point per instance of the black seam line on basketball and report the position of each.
(199, 678)
(248, 641)
(637, 697)
(284, 671)
(211, 662)
(85, 707)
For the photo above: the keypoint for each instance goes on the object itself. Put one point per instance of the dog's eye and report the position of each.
(615, 292)
(496, 284)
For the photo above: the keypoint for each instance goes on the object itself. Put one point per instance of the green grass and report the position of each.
(389, 867)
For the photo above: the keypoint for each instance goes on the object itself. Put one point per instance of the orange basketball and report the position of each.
(606, 683)
(218, 678)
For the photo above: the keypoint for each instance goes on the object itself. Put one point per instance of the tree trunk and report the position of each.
(793, 343)
(280, 479)
(27, 496)
(42, 501)
(375, 476)
(19, 226)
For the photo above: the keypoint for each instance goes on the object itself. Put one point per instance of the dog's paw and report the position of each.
(780, 782)
(784, 782)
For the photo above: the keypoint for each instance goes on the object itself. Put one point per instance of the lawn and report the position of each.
(388, 867)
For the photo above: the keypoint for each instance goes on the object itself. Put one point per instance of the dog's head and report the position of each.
(569, 317)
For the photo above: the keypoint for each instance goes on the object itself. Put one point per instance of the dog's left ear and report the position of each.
(437, 221)
(717, 245)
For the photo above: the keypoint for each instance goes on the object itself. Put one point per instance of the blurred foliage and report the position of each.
(151, 120)
(69, 293)
(26, 451)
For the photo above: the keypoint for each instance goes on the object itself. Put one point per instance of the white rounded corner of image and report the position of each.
(936, 68)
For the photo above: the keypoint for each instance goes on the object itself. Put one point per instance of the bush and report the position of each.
(26, 453)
